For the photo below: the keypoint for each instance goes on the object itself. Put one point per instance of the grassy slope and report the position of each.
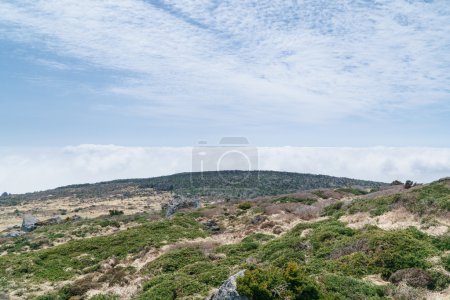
(332, 256)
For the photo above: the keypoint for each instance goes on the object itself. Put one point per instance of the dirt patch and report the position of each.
(375, 279)
(396, 219)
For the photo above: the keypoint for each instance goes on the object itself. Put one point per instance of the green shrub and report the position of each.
(353, 191)
(115, 212)
(333, 209)
(439, 281)
(320, 194)
(343, 287)
(375, 207)
(435, 196)
(63, 261)
(274, 283)
(244, 205)
(172, 286)
(294, 199)
(174, 260)
(446, 262)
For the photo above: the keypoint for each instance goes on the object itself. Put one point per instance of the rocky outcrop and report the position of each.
(29, 223)
(228, 291)
(180, 202)
(212, 226)
(13, 234)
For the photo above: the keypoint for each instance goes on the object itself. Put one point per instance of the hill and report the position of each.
(226, 184)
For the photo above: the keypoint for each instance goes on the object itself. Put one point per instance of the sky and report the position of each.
(294, 77)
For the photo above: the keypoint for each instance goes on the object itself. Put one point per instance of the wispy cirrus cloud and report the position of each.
(245, 61)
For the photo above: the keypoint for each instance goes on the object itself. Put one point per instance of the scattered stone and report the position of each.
(76, 218)
(306, 232)
(13, 234)
(212, 226)
(216, 256)
(277, 230)
(268, 224)
(29, 223)
(228, 290)
(258, 219)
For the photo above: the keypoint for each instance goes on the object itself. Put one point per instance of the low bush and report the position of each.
(115, 212)
(294, 199)
(273, 283)
(348, 288)
(244, 205)
(353, 191)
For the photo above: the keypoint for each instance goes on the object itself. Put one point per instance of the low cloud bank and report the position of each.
(39, 169)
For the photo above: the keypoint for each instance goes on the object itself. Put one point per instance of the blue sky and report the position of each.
(306, 73)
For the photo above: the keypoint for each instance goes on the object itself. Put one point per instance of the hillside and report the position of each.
(226, 184)
(342, 242)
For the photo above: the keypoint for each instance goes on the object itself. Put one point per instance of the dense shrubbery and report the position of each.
(275, 283)
(62, 262)
(348, 288)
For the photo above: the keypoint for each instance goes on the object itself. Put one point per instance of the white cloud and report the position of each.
(290, 61)
(30, 170)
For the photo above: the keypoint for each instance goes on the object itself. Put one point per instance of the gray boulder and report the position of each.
(227, 290)
(29, 223)
(13, 234)
(180, 202)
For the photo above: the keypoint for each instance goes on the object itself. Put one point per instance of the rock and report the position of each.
(29, 223)
(277, 230)
(306, 233)
(258, 219)
(414, 277)
(408, 184)
(13, 234)
(212, 226)
(179, 202)
(227, 290)
(54, 220)
(76, 218)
